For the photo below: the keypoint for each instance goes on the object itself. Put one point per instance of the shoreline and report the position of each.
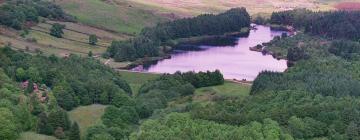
(148, 61)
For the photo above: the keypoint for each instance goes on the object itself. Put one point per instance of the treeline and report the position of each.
(183, 126)
(57, 123)
(74, 80)
(18, 13)
(345, 49)
(202, 79)
(334, 24)
(148, 43)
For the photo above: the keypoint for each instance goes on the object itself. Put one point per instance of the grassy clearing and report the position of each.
(227, 89)
(119, 16)
(87, 116)
(34, 136)
(136, 79)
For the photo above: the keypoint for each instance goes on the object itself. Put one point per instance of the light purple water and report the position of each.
(235, 62)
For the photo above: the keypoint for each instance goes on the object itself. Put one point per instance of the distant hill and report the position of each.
(191, 7)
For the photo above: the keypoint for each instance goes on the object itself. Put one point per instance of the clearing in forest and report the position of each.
(228, 89)
(87, 116)
(34, 136)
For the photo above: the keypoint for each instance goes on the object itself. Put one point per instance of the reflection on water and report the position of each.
(235, 62)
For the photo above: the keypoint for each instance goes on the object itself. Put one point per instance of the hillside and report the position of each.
(195, 7)
(115, 15)
(75, 39)
(130, 16)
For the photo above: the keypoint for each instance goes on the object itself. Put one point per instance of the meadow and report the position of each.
(75, 39)
(136, 79)
(228, 89)
(35, 136)
(118, 16)
(87, 116)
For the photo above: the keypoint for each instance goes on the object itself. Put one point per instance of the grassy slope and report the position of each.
(137, 79)
(75, 39)
(87, 116)
(113, 15)
(34, 136)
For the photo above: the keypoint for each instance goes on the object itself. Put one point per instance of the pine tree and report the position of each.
(57, 30)
(59, 118)
(43, 126)
(90, 54)
(93, 39)
(30, 87)
(74, 132)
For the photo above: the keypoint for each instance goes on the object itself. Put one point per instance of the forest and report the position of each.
(54, 85)
(333, 24)
(150, 41)
(19, 14)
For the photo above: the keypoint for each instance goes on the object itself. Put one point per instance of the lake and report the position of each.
(234, 61)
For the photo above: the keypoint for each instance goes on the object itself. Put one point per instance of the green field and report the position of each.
(119, 16)
(87, 116)
(227, 89)
(137, 79)
(34, 136)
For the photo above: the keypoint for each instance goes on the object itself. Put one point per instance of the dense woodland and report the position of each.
(74, 81)
(19, 14)
(148, 42)
(334, 24)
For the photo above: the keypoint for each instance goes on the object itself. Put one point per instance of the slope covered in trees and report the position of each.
(174, 124)
(74, 80)
(17, 13)
(53, 85)
(334, 24)
(316, 98)
(15, 114)
(148, 43)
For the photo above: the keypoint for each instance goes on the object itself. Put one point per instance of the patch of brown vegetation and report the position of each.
(349, 6)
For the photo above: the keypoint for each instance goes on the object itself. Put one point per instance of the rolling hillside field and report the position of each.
(75, 39)
(114, 15)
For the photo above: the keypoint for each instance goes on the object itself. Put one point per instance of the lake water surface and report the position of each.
(235, 62)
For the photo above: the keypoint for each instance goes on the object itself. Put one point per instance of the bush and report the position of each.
(93, 39)
(57, 30)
